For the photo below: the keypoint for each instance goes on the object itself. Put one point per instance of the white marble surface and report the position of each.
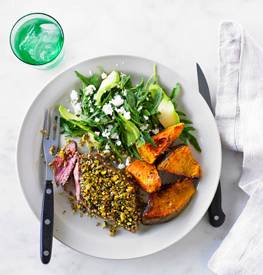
(176, 33)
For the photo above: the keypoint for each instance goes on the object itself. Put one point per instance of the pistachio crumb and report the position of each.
(107, 192)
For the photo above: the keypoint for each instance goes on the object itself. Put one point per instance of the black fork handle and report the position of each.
(47, 220)
(215, 212)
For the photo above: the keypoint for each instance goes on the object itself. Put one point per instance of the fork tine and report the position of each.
(52, 124)
(57, 134)
(46, 125)
(55, 126)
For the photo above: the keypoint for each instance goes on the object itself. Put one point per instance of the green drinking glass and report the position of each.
(37, 39)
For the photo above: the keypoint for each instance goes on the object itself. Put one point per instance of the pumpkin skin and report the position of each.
(182, 163)
(166, 204)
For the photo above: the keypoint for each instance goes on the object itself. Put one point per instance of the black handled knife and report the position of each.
(215, 212)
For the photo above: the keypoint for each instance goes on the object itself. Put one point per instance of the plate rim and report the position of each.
(19, 140)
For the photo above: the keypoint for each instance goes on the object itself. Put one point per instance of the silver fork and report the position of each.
(50, 143)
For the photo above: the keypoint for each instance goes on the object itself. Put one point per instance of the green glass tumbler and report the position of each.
(37, 39)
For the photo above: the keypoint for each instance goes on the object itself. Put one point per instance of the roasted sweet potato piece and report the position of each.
(146, 175)
(163, 140)
(169, 202)
(181, 162)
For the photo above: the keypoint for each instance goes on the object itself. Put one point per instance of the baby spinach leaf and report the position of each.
(134, 152)
(175, 91)
(125, 82)
(94, 79)
(69, 129)
(186, 121)
(149, 139)
(180, 113)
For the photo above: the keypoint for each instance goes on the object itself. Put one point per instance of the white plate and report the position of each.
(81, 233)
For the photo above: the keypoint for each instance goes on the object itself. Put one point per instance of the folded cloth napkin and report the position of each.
(239, 115)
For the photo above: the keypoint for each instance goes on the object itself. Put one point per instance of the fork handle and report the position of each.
(47, 220)
(215, 212)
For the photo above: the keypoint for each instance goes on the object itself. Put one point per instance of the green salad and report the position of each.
(113, 114)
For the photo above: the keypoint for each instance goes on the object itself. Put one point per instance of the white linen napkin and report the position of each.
(239, 115)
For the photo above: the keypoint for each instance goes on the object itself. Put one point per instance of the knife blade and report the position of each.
(215, 212)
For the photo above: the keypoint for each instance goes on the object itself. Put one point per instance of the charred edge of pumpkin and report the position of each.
(171, 151)
(196, 181)
(151, 221)
(168, 218)
(168, 151)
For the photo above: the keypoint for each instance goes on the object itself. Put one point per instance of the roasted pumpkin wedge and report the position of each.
(163, 140)
(168, 202)
(181, 162)
(146, 175)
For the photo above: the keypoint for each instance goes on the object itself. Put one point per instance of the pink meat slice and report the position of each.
(63, 172)
(76, 174)
(71, 148)
(63, 167)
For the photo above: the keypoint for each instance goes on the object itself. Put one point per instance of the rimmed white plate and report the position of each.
(81, 233)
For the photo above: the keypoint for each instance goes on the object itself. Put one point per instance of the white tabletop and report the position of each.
(175, 33)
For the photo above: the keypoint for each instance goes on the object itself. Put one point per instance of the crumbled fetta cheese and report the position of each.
(155, 131)
(106, 133)
(109, 127)
(146, 117)
(144, 127)
(96, 119)
(103, 75)
(118, 143)
(121, 110)
(74, 96)
(107, 109)
(121, 166)
(127, 161)
(114, 136)
(117, 101)
(90, 89)
(127, 115)
(77, 108)
(107, 146)
(97, 133)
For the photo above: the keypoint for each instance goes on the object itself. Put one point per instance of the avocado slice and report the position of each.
(108, 83)
(64, 113)
(167, 113)
(132, 133)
